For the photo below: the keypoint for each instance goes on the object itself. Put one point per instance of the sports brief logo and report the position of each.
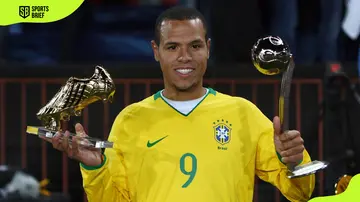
(33, 11)
(222, 133)
(24, 11)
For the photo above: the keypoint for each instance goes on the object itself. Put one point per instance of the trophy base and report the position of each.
(82, 141)
(307, 169)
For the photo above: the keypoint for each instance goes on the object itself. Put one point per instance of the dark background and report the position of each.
(36, 59)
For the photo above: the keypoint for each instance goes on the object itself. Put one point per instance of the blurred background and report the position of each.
(36, 59)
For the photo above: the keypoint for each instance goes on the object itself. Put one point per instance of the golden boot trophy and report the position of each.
(74, 96)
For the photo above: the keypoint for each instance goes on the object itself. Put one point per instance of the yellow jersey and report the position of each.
(211, 154)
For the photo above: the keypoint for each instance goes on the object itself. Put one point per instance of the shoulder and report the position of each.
(132, 109)
(127, 120)
(137, 110)
(244, 107)
(236, 101)
(249, 114)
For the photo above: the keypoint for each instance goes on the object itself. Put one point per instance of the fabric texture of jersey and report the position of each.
(211, 154)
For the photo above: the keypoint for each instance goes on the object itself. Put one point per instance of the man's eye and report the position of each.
(171, 47)
(196, 46)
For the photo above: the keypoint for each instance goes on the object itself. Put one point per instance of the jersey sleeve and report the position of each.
(107, 182)
(269, 167)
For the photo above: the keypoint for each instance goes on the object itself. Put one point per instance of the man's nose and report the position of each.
(184, 55)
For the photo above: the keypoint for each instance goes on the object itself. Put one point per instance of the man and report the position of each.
(350, 32)
(311, 28)
(188, 142)
(351, 22)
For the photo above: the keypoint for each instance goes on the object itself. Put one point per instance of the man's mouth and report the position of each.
(184, 71)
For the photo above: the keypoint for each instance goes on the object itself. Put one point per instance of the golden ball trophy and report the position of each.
(75, 95)
(272, 56)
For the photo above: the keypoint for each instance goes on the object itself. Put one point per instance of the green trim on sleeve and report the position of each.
(94, 167)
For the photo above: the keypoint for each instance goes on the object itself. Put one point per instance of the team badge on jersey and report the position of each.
(222, 133)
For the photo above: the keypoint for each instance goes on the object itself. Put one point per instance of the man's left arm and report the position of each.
(270, 168)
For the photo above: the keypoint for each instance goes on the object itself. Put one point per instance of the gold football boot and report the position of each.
(75, 95)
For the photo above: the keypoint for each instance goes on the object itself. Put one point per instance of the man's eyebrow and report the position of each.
(196, 41)
(171, 43)
(176, 43)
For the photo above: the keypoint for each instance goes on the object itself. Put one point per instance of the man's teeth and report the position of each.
(184, 71)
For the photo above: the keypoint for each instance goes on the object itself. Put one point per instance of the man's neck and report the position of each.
(184, 95)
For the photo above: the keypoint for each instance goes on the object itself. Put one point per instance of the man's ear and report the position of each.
(155, 48)
(208, 43)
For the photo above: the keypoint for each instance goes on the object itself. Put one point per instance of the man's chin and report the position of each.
(184, 87)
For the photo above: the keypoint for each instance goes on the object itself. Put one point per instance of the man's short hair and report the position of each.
(178, 13)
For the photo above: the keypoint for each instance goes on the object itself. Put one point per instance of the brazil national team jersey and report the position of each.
(211, 154)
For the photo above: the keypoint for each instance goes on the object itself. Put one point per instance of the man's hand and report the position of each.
(289, 144)
(87, 156)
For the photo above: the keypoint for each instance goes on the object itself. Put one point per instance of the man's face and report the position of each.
(183, 53)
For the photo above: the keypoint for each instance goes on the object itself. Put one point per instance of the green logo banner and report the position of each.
(36, 11)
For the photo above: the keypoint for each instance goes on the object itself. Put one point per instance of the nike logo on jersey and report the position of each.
(151, 144)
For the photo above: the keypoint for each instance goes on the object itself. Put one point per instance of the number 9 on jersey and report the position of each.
(183, 165)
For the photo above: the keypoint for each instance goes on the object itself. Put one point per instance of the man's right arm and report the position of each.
(107, 182)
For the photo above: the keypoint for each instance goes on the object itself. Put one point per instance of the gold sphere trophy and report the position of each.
(271, 56)
(72, 97)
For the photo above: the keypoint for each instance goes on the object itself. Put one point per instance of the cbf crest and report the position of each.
(222, 133)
